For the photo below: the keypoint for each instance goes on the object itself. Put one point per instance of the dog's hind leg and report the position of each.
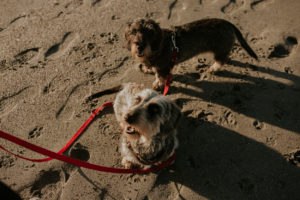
(220, 59)
(215, 67)
(221, 54)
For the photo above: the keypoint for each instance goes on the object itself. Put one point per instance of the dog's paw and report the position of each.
(128, 165)
(215, 67)
(145, 69)
(157, 85)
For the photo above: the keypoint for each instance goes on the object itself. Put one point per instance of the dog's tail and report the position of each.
(243, 42)
(105, 92)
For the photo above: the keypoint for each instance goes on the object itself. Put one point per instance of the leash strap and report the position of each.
(172, 63)
(73, 161)
(75, 136)
(167, 84)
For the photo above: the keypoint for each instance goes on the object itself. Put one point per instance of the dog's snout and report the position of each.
(131, 117)
(140, 46)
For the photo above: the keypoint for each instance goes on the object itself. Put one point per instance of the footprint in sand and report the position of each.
(73, 4)
(293, 158)
(36, 132)
(260, 3)
(255, 3)
(110, 37)
(49, 182)
(205, 116)
(80, 152)
(7, 161)
(60, 48)
(24, 57)
(10, 102)
(288, 70)
(230, 118)
(258, 125)
(12, 21)
(16, 19)
(64, 107)
(95, 2)
(231, 6)
(171, 6)
(283, 49)
(48, 87)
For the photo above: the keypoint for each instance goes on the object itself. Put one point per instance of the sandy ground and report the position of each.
(239, 137)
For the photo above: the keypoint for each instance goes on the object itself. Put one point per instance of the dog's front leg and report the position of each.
(158, 84)
(145, 69)
(127, 164)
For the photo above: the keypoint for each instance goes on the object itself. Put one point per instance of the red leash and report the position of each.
(73, 161)
(75, 136)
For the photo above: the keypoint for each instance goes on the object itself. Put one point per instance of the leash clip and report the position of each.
(174, 43)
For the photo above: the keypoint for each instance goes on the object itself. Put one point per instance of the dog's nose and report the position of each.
(130, 118)
(140, 47)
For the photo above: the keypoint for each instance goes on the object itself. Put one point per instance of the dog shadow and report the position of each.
(263, 99)
(8, 193)
(219, 163)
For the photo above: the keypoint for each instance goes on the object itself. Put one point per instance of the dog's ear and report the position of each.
(129, 23)
(157, 35)
(174, 118)
(127, 35)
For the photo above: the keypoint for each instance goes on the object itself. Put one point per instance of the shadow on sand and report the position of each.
(219, 163)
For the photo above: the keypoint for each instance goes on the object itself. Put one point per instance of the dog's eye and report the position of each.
(153, 109)
(150, 32)
(133, 32)
(138, 99)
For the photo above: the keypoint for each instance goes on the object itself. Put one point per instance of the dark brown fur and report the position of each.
(153, 46)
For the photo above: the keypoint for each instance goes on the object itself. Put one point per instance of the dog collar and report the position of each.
(175, 51)
(175, 48)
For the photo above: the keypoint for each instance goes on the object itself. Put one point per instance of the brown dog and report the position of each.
(154, 46)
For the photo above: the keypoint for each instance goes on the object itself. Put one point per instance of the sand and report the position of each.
(239, 136)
